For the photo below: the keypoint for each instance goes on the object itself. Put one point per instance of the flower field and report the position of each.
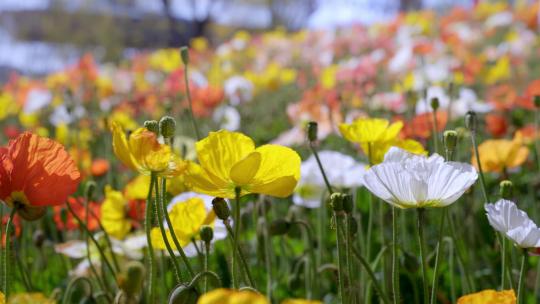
(391, 163)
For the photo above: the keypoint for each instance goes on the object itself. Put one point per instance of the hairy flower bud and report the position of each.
(336, 201)
(435, 103)
(506, 189)
(184, 53)
(312, 130)
(152, 126)
(167, 126)
(207, 233)
(471, 121)
(450, 139)
(90, 187)
(221, 209)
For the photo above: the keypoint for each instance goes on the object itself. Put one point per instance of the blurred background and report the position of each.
(42, 36)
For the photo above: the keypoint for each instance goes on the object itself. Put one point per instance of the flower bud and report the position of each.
(183, 294)
(207, 233)
(312, 130)
(336, 201)
(347, 203)
(506, 189)
(221, 209)
(537, 101)
(279, 227)
(152, 126)
(132, 280)
(167, 126)
(471, 121)
(435, 103)
(450, 139)
(90, 187)
(184, 53)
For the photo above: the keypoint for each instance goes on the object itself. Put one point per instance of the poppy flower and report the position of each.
(496, 124)
(300, 301)
(498, 155)
(230, 296)
(405, 180)
(36, 172)
(113, 214)
(489, 296)
(505, 217)
(421, 125)
(142, 152)
(77, 204)
(99, 167)
(229, 160)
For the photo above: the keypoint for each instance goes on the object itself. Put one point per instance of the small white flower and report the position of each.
(227, 117)
(238, 89)
(36, 100)
(505, 217)
(342, 171)
(406, 180)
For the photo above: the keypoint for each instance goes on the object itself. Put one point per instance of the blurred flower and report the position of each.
(36, 172)
(406, 180)
(77, 204)
(496, 124)
(238, 90)
(498, 155)
(230, 296)
(99, 167)
(143, 153)
(229, 160)
(227, 117)
(300, 301)
(188, 213)
(498, 72)
(341, 170)
(489, 296)
(421, 125)
(29, 297)
(505, 217)
(113, 214)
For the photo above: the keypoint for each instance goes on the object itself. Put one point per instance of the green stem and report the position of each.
(374, 281)
(160, 201)
(435, 132)
(191, 116)
(326, 182)
(435, 283)
(503, 260)
(522, 272)
(480, 171)
(234, 236)
(421, 243)
(311, 256)
(536, 139)
(173, 233)
(150, 251)
(206, 262)
(7, 254)
(348, 245)
(267, 255)
(395, 265)
(241, 257)
(69, 290)
(341, 269)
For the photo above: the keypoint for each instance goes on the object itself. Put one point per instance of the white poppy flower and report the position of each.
(227, 117)
(238, 89)
(505, 217)
(342, 171)
(406, 180)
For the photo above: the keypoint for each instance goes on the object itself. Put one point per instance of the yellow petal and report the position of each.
(243, 171)
(199, 180)
(121, 147)
(187, 218)
(221, 150)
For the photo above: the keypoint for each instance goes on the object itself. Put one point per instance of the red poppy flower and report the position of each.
(421, 126)
(36, 172)
(77, 204)
(496, 125)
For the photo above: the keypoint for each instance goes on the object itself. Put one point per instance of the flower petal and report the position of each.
(243, 171)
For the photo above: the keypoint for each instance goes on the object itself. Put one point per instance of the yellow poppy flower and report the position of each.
(2, 298)
(137, 189)
(489, 296)
(378, 135)
(229, 296)
(499, 72)
(187, 218)
(497, 155)
(300, 301)
(113, 214)
(143, 153)
(230, 159)
(29, 297)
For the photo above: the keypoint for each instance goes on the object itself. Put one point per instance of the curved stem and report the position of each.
(191, 116)
(374, 281)
(522, 272)
(437, 257)
(421, 243)
(159, 201)
(215, 278)
(69, 289)
(326, 182)
(7, 253)
(395, 265)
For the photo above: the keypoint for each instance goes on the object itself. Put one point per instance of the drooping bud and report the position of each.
(167, 126)
(348, 203)
(336, 201)
(506, 189)
(90, 187)
(184, 53)
(450, 139)
(183, 294)
(279, 227)
(207, 234)
(221, 209)
(435, 103)
(471, 121)
(152, 126)
(312, 130)
(537, 101)
(132, 280)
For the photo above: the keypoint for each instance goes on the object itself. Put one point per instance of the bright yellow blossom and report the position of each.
(137, 189)
(300, 301)
(8, 106)
(229, 296)
(187, 218)
(2, 298)
(497, 155)
(499, 72)
(113, 214)
(29, 297)
(376, 136)
(489, 296)
(229, 160)
(143, 153)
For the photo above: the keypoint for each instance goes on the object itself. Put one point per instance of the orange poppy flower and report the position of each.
(496, 124)
(421, 125)
(78, 207)
(99, 167)
(36, 172)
